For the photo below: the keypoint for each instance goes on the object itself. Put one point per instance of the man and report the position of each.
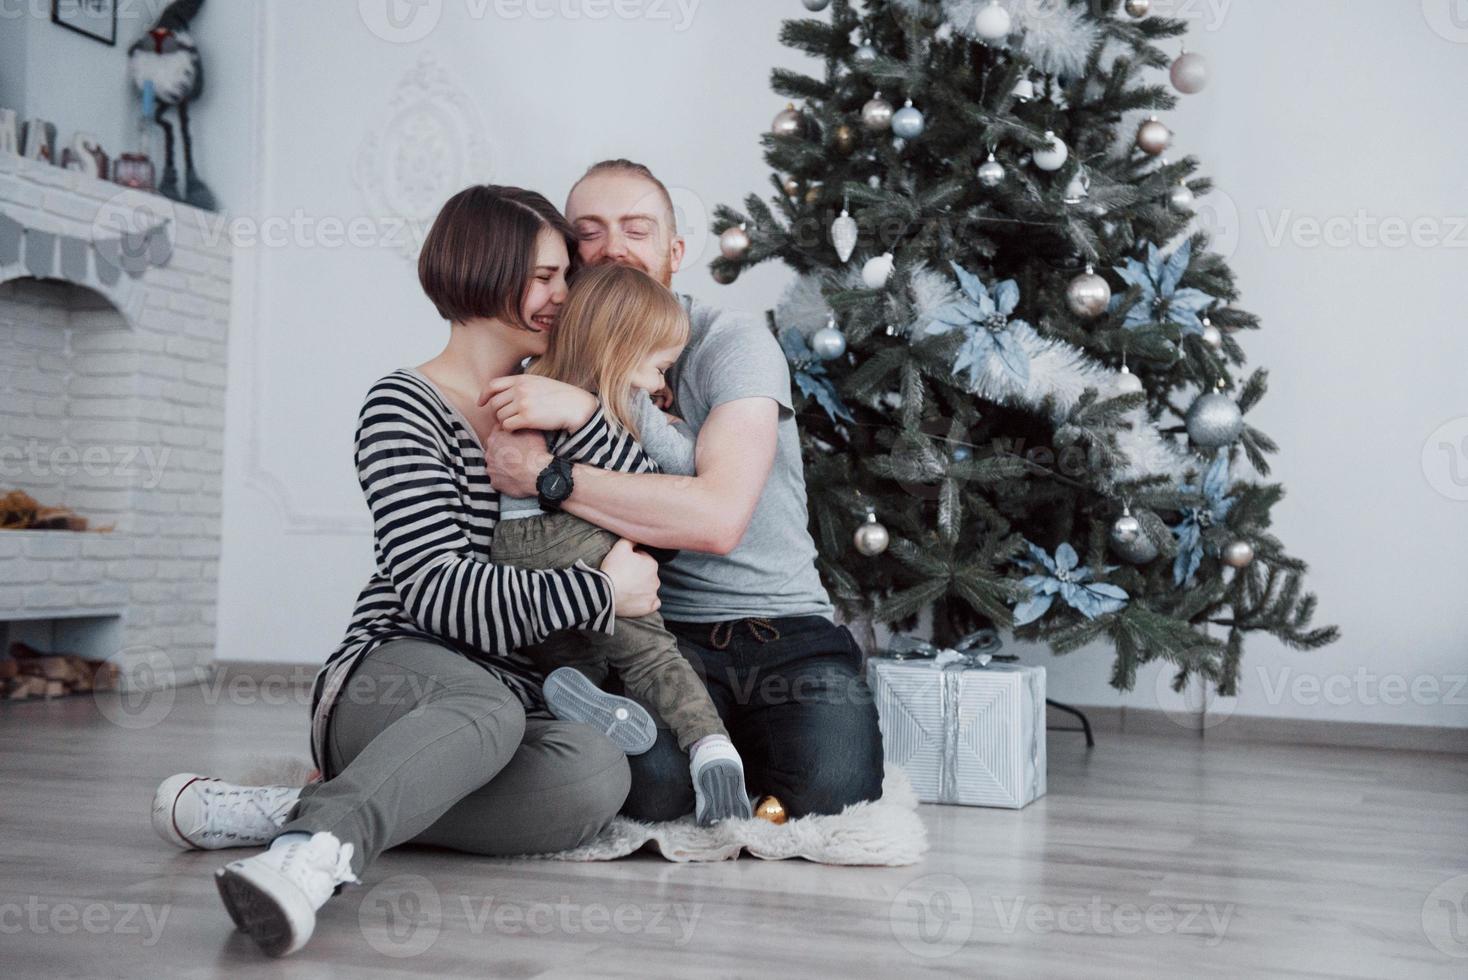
(743, 595)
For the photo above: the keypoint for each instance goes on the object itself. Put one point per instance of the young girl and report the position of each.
(617, 334)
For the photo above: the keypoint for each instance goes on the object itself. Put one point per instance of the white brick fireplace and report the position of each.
(112, 377)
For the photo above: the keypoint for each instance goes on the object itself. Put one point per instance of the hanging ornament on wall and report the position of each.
(844, 233)
(876, 115)
(991, 172)
(1138, 8)
(1212, 336)
(865, 53)
(1214, 421)
(877, 271)
(1153, 137)
(788, 122)
(844, 138)
(871, 539)
(734, 242)
(993, 22)
(1052, 156)
(1127, 383)
(1182, 199)
(1190, 72)
(1088, 294)
(724, 275)
(1024, 89)
(828, 343)
(1238, 554)
(908, 123)
(1130, 541)
(816, 6)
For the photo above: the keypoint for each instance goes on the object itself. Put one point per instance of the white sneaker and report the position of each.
(192, 811)
(274, 896)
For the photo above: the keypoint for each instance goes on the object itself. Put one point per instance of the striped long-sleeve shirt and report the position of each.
(422, 470)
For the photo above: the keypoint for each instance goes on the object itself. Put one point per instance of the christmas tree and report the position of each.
(1018, 368)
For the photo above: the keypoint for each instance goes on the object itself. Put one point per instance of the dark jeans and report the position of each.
(792, 694)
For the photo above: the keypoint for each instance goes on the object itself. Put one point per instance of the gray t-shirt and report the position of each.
(772, 572)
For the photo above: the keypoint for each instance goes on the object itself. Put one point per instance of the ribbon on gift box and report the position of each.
(973, 652)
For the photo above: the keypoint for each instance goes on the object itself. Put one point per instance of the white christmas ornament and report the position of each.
(844, 232)
(993, 22)
(1127, 383)
(1024, 89)
(1190, 73)
(877, 271)
(1053, 156)
(908, 123)
(991, 172)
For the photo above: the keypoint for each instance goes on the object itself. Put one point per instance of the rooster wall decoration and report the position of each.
(167, 59)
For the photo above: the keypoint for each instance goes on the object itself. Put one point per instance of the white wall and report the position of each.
(1364, 356)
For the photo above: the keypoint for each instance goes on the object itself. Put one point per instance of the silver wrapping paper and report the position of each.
(964, 734)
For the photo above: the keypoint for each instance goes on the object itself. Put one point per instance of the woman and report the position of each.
(426, 725)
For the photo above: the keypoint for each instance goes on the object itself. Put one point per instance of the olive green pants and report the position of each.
(642, 651)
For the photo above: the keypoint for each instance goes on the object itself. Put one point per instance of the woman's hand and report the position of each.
(528, 401)
(634, 576)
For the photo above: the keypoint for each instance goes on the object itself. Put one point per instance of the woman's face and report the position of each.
(546, 293)
(651, 375)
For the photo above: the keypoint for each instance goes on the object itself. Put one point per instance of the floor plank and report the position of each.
(1150, 857)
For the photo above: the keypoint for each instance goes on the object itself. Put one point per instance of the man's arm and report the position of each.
(706, 512)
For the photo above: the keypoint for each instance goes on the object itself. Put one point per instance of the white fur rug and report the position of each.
(883, 832)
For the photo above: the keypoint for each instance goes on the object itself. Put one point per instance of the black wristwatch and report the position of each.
(554, 484)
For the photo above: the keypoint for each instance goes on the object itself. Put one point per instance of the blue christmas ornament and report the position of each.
(810, 375)
(908, 123)
(1161, 300)
(1189, 531)
(1061, 576)
(983, 316)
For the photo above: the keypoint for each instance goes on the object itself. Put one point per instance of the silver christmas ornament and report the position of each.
(1237, 554)
(816, 6)
(876, 115)
(788, 122)
(877, 271)
(1126, 529)
(1190, 73)
(844, 233)
(1182, 199)
(871, 539)
(993, 22)
(908, 122)
(1212, 336)
(1088, 294)
(1138, 551)
(1127, 383)
(828, 343)
(1079, 187)
(1213, 421)
(792, 187)
(991, 172)
(1052, 156)
(1138, 8)
(734, 242)
(1153, 137)
(866, 54)
(1024, 89)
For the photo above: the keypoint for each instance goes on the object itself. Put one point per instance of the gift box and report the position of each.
(966, 728)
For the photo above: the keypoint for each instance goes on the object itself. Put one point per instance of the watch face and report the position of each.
(555, 485)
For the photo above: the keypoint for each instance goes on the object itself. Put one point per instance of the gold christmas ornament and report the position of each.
(813, 193)
(1088, 294)
(876, 115)
(844, 138)
(734, 242)
(1153, 137)
(792, 187)
(1138, 8)
(771, 809)
(1238, 554)
(788, 122)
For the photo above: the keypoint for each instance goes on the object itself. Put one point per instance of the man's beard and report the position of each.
(663, 273)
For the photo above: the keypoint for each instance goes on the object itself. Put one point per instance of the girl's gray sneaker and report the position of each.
(573, 697)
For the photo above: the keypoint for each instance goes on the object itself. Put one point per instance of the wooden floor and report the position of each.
(1150, 857)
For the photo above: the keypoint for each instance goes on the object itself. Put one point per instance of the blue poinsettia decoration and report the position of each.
(1161, 300)
(1060, 576)
(810, 375)
(1189, 531)
(983, 316)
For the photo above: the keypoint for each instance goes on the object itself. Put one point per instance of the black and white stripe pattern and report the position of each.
(433, 514)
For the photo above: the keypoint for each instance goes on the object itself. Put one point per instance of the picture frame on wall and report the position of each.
(97, 19)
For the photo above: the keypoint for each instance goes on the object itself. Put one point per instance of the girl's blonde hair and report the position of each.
(614, 317)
